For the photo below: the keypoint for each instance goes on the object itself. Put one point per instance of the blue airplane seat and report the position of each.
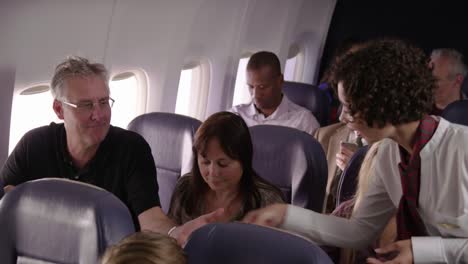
(60, 221)
(347, 185)
(457, 112)
(244, 243)
(170, 137)
(2, 192)
(293, 161)
(310, 97)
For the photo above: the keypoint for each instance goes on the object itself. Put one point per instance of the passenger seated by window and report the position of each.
(421, 168)
(449, 70)
(145, 247)
(346, 210)
(222, 175)
(87, 148)
(269, 106)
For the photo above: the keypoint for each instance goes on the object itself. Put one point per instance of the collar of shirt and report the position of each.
(74, 172)
(352, 138)
(282, 108)
(463, 96)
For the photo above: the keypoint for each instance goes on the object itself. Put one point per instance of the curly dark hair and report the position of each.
(388, 81)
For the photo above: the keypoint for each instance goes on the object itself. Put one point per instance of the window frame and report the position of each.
(244, 55)
(199, 88)
(142, 88)
(298, 51)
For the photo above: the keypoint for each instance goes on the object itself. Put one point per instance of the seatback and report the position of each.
(244, 243)
(170, 137)
(60, 221)
(457, 112)
(293, 161)
(1, 189)
(310, 97)
(349, 178)
(464, 86)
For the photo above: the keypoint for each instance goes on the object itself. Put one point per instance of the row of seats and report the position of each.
(288, 158)
(175, 134)
(84, 219)
(291, 159)
(312, 98)
(63, 221)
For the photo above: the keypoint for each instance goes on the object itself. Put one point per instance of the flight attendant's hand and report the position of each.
(403, 250)
(347, 150)
(272, 216)
(8, 188)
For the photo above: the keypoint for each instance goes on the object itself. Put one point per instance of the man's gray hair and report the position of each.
(457, 66)
(75, 66)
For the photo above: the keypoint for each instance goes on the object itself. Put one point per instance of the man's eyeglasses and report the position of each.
(89, 106)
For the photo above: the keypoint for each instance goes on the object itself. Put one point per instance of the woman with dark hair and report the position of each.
(222, 175)
(420, 170)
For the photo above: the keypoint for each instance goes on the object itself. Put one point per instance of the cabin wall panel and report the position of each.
(46, 31)
(157, 36)
(311, 30)
(7, 81)
(150, 35)
(219, 43)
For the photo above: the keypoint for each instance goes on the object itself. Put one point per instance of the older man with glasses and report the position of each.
(449, 69)
(86, 148)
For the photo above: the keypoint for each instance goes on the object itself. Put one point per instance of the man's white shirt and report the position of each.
(286, 114)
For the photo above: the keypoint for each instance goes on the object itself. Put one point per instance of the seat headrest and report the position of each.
(293, 161)
(457, 112)
(348, 181)
(60, 221)
(244, 243)
(170, 137)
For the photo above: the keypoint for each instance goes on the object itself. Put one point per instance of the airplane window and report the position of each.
(294, 65)
(126, 90)
(31, 108)
(183, 92)
(241, 91)
(290, 68)
(192, 93)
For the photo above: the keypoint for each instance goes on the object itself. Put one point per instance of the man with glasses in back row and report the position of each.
(449, 69)
(86, 148)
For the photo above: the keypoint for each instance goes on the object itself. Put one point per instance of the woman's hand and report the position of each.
(404, 251)
(182, 233)
(272, 215)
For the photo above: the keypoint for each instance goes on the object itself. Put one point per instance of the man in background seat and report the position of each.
(449, 70)
(269, 106)
(339, 144)
(87, 148)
